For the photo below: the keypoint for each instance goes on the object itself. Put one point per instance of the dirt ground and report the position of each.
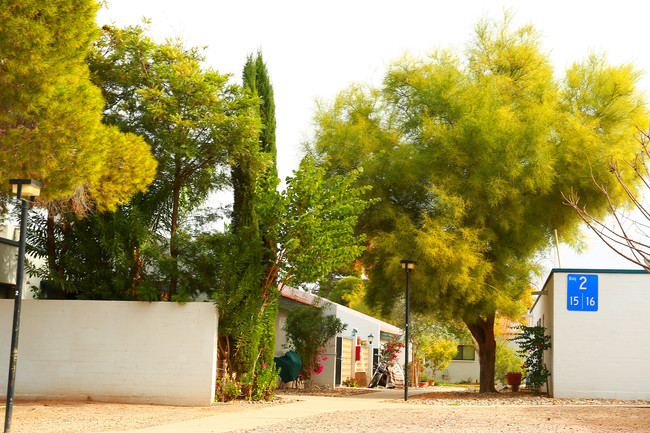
(440, 410)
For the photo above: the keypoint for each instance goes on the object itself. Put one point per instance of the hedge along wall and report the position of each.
(113, 351)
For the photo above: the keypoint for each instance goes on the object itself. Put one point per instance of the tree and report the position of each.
(312, 221)
(624, 235)
(469, 158)
(196, 123)
(246, 173)
(51, 113)
(308, 331)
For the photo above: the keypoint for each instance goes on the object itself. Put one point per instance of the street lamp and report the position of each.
(408, 266)
(26, 191)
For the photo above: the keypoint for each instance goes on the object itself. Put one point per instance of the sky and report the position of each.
(313, 50)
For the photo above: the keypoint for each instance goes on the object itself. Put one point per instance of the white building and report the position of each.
(599, 324)
(345, 356)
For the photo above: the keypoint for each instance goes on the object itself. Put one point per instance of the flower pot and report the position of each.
(422, 384)
(431, 383)
(514, 380)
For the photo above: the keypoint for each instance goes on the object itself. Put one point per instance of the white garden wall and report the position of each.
(137, 352)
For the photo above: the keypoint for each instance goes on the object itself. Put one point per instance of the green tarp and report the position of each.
(290, 365)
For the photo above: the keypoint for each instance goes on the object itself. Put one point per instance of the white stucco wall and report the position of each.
(460, 370)
(604, 353)
(138, 352)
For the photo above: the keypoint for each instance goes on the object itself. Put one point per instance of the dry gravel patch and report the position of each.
(474, 419)
(88, 416)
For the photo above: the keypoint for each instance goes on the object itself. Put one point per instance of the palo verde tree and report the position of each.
(468, 156)
(51, 113)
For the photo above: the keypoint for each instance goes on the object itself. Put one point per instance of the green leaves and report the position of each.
(312, 221)
(51, 114)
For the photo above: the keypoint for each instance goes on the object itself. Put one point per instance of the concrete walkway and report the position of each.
(259, 416)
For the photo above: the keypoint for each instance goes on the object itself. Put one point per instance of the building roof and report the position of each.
(585, 271)
(308, 298)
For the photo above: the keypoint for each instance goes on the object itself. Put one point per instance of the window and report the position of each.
(465, 353)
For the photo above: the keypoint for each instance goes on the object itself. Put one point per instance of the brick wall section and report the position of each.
(136, 352)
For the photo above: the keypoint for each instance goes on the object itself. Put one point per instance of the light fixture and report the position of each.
(370, 338)
(25, 189)
(408, 264)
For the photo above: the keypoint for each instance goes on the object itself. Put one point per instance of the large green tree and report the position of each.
(197, 123)
(255, 332)
(312, 221)
(469, 156)
(51, 113)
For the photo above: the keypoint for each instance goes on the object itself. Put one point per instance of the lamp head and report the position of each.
(408, 264)
(25, 189)
(371, 338)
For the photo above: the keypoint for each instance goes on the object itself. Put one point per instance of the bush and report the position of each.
(266, 383)
(308, 331)
(227, 389)
(351, 382)
(533, 341)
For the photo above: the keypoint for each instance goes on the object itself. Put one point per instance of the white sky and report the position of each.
(315, 49)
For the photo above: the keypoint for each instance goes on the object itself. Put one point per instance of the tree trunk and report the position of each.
(482, 330)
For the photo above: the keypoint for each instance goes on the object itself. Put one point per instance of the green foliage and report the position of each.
(51, 113)
(260, 385)
(533, 341)
(468, 155)
(266, 381)
(227, 389)
(195, 121)
(438, 352)
(196, 124)
(246, 172)
(308, 330)
(313, 221)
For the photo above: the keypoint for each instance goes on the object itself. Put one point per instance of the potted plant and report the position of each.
(514, 380)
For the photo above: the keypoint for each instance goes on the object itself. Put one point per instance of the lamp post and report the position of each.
(408, 266)
(26, 191)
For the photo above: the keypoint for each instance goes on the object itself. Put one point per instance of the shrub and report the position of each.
(266, 381)
(351, 382)
(227, 389)
(533, 341)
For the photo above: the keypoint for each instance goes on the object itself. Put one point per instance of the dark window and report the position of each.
(7, 291)
(465, 353)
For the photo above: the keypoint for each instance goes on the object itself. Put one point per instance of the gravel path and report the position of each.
(474, 419)
(437, 410)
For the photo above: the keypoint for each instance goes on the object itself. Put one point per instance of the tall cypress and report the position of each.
(260, 335)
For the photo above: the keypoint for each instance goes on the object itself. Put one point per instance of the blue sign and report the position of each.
(582, 292)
